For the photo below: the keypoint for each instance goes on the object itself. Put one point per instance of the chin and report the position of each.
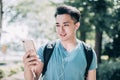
(64, 39)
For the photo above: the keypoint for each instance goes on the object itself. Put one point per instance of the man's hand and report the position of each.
(32, 65)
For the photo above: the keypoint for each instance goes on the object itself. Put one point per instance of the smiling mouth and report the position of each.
(62, 35)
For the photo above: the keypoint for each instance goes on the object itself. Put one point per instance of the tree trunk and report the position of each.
(98, 43)
(0, 18)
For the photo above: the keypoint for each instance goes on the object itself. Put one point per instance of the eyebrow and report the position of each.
(63, 22)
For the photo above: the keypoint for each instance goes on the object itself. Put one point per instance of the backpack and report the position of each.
(50, 47)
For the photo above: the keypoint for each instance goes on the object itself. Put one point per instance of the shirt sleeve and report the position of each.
(94, 62)
(40, 53)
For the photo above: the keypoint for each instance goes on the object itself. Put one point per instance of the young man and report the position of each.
(68, 60)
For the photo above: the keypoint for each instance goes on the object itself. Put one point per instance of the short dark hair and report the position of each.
(72, 11)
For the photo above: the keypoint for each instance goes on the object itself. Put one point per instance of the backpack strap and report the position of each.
(47, 54)
(89, 56)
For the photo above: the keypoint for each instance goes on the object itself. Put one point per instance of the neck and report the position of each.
(70, 44)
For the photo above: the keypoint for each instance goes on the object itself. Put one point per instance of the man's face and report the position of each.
(66, 27)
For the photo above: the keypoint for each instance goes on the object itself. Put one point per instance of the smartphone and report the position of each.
(28, 45)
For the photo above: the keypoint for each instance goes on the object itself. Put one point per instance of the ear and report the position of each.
(77, 25)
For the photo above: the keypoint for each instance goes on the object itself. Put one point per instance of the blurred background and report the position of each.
(34, 19)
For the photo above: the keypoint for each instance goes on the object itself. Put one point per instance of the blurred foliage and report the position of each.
(13, 71)
(36, 17)
(36, 14)
(2, 74)
(8, 70)
(109, 70)
(112, 48)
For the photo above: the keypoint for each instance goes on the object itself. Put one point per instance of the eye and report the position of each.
(57, 25)
(66, 24)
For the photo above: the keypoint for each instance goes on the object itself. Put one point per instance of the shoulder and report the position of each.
(83, 44)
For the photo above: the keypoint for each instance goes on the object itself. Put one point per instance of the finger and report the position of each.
(33, 63)
(30, 59)
(26, 55)
(29, 53)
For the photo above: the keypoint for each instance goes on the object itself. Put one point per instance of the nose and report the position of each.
(61, 28)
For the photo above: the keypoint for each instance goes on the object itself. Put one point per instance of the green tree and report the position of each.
(100, 19)
(116, 38)
(112, 49)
